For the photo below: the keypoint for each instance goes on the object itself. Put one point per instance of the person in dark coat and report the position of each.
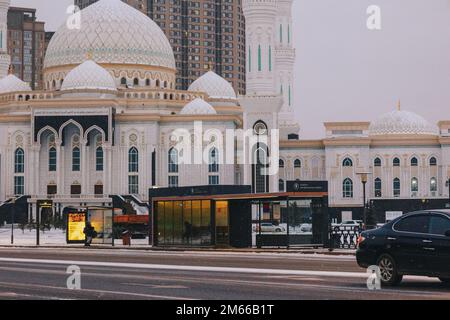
(89, 231)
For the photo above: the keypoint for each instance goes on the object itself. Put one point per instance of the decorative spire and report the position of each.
(399, 106)
(11, 69)
(89, 55)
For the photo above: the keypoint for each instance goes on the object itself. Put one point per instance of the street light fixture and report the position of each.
(364, 176)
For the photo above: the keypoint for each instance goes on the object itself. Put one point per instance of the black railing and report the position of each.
(344, 237)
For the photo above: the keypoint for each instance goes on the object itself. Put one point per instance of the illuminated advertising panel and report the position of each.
(76, 222)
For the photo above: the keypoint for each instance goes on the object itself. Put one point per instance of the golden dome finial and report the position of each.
(89, 55)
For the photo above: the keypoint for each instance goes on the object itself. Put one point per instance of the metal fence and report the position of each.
(344, 237)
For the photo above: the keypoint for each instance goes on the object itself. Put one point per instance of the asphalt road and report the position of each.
(122, 274)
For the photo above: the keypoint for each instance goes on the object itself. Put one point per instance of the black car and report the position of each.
(417, 243)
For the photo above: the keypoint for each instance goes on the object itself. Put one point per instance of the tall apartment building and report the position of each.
(26, 45)
(138, 4)
(205, 35)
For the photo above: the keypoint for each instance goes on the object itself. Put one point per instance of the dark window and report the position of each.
(51, 189)
(133, 160)
(213, 180)
(123, 81)
(52, 159)
(281, 185)
(414, 185)
(396, 162)
(213, 161)
(99, 159)
(136, 81)
(173, 160)
(416, 224)
(19, 186)
(378, 186)
(397, 187)
(75, 189)
(414, 162)
(347, 162)
(347, 188)
(297, 163)
(377, 162)
(133, 184)
(439, 225)
(98, 189)
(281, 163)
(433, 161)
(173, 181)
(76, 159)
(19, 161)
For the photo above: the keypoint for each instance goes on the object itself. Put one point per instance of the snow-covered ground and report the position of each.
(52, 237)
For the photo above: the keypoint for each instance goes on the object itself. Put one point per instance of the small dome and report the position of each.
(198, 106)
(401, 123)
(214, 85)
(11, 83)
(89, 76)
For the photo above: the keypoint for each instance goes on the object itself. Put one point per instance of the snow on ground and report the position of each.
(54, 237)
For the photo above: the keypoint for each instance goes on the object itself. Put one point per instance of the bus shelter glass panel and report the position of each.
(160, 221)
(300, 222)
(222, 223)
(178, 222)
(205, 233)
(102, 221)
(187, 223)
(183, 222)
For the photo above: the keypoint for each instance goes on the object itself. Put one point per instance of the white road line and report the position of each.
(130, 294)
(191, 268)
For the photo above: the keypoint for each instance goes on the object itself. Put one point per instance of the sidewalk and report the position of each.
(56, 239)
(322, 251)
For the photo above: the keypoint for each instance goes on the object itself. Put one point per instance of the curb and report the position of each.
(178, 249)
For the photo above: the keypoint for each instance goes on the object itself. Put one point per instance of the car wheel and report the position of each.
(446, 281)
(278, 230)
(388, 271)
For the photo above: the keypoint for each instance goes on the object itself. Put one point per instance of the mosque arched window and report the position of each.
(347, 188)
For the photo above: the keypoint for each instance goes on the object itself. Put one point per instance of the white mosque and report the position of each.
(103, 125)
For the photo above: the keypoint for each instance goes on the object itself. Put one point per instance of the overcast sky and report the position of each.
(346, 72)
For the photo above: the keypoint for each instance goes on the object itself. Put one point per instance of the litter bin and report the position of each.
(126, 238)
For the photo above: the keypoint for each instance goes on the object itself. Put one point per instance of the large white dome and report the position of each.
(114, 33)
(90, 76)
(11, 83)
(214, 85)
(401, 123)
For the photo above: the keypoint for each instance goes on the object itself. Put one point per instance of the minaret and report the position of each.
(262, 103)
(5, 59)
(260, 17)
(284, 61)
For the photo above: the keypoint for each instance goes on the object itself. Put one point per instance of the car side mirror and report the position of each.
(447, 233)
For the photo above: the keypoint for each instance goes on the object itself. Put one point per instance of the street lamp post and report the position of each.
(448, 185)
(13, 213)
(364, 178)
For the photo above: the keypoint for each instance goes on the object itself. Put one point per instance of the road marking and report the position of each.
(191, 268)
(131, 294)
(154, 286)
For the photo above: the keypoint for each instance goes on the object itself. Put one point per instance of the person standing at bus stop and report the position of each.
(90, 233)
